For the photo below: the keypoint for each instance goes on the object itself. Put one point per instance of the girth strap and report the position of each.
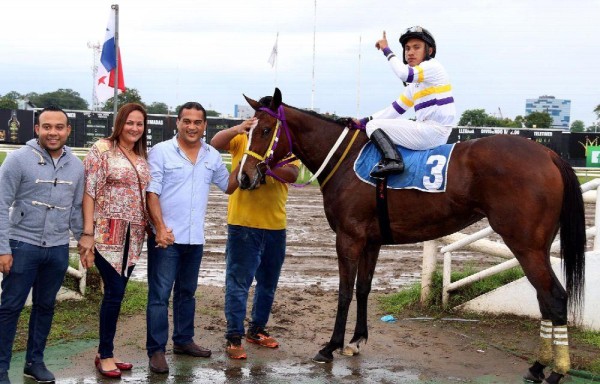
(382, 211)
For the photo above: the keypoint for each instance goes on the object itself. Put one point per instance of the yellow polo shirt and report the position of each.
(262, 208)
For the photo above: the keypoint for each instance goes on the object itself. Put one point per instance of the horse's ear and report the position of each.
(276, 101)
(253, 103)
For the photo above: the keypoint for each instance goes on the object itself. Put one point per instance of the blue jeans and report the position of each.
(173, 268)
(42, 269)
(114, 291)
(251, 253)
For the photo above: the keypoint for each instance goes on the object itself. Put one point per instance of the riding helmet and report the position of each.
(421, 33)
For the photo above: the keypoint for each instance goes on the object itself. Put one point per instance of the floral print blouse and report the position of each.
(119, 204)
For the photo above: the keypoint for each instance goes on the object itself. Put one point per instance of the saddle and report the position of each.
(424, 170)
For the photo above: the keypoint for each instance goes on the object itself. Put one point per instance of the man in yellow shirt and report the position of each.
(255, 245)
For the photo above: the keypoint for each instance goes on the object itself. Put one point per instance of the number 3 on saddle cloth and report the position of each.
(423, 170)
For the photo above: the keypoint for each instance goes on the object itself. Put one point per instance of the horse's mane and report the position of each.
(266, 102)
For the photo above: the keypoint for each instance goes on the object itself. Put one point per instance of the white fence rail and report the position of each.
(64, 293)
(477, 242)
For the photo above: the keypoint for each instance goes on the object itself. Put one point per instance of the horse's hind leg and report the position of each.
(366, 270)
(552, 300)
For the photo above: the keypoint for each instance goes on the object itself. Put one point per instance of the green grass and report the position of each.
(409, 298)
(406, 298)
(2, 157)
(591, 338)
(585, 179)
(78, 319)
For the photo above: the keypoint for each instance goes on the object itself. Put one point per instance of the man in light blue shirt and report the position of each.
(182, 171)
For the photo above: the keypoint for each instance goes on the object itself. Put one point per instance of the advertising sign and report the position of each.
(593, 157)
(95, 127)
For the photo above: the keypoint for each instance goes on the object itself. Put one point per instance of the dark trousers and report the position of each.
(172, 269)
(42, 269)
(114, 291)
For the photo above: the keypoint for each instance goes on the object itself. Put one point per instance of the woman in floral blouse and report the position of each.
(114, 215)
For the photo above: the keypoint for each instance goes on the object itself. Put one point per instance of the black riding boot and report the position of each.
(392, 159)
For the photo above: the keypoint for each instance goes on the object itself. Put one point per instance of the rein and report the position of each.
(289, 157)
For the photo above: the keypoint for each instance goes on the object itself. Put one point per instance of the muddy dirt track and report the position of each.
(311, 257)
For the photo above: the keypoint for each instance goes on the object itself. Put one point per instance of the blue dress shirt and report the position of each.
(183, 187)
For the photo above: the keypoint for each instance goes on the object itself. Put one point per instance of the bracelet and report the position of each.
(86, 234)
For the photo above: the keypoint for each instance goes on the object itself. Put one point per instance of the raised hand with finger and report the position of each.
(382, 43)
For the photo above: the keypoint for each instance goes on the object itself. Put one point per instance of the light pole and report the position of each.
(95, 47)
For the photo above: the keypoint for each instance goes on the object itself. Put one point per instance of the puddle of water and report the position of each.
(214, 275)
(223, 370)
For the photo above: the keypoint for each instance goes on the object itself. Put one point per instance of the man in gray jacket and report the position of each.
(41, 190)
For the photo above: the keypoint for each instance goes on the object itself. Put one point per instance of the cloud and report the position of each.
(497, 53)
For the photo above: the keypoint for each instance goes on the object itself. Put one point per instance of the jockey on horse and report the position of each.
(428, 91)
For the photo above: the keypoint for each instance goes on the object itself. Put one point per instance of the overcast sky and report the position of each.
(498, 53)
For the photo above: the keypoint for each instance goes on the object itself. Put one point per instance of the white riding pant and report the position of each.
(411, 134)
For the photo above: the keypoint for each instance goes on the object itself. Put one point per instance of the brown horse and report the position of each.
(526, 191)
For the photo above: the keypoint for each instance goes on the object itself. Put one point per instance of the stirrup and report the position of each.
(387, 168)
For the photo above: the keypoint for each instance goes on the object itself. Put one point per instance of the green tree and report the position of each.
(519, 121)
(473, 118)
(597, 111)
(479, 118)
(595, 127)
(7, 103)
(510, 123)
(63, 98)
(158, 108)
(131, 95)
(539, 119)
(577, 126)
(13, 95)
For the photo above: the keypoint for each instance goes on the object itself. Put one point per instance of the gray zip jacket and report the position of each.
(40, 202)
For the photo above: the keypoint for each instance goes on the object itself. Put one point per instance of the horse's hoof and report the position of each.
(553, 378)
(319, 358)
(530, 377)
(350, 350)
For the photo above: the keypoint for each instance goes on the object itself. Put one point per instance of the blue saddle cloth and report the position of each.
(423, 170)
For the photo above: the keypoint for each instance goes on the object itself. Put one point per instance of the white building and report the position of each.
(560, 110)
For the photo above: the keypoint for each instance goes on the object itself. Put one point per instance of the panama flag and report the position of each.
(105, 77)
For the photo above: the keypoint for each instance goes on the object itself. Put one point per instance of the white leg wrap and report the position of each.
(545, 347)
(562, 361)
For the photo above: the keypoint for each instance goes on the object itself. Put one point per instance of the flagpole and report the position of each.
(115, 7)
(312, 99)
(276, 44)
(96, 50)
(358, 80)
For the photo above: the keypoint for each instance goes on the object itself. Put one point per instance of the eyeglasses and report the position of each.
(196, 123)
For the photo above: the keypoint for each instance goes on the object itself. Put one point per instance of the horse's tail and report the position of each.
(572, 234)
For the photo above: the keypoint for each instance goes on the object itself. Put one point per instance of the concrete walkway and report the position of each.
(502, 300)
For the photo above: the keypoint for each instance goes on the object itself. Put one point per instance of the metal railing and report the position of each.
(477, 242)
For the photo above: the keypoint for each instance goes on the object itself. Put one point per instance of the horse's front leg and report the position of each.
(366, 270)
(348, 254)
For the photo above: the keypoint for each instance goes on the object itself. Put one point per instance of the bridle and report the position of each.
(268, 156)
(290, 157)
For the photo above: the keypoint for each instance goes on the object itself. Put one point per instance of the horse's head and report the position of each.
(265, 144)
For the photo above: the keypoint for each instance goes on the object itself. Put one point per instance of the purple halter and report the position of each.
(289, 157)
